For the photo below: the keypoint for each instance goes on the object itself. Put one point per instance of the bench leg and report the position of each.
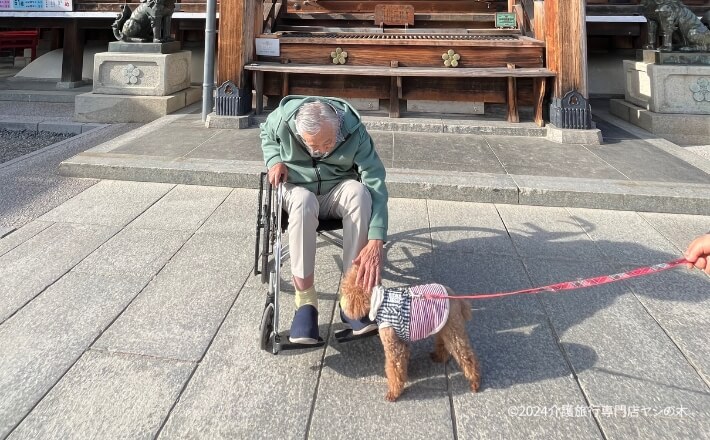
(513, 100)
(395, 93)
(259, 90)
(539, 85)
(284, 85)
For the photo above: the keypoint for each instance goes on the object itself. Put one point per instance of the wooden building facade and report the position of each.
(394, 48)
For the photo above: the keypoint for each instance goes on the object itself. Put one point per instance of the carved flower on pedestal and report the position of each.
(339, 56)
(131, 74)
(701, 90)
(451, 58)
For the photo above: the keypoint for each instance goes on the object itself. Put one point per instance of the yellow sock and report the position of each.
(308, 296)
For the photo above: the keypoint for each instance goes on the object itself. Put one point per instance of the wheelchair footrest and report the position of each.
(346, 335)
(286, 345)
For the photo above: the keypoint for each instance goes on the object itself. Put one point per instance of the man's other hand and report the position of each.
(278, 173)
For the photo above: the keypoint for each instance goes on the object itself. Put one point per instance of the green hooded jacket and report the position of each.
(354, 158)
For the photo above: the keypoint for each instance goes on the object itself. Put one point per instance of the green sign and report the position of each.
(506, 20)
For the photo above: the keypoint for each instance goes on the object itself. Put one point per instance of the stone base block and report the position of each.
(66, 85)
(235, 122)
(679, 129)
(93, 107)
(668, 88)
(144, 74)
(571, 136)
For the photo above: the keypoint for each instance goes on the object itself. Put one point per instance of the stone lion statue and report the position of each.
(150, 20)
(675, 20)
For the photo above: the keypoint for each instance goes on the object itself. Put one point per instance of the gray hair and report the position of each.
(313, 115)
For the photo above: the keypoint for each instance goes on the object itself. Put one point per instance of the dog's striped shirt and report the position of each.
(412, 316)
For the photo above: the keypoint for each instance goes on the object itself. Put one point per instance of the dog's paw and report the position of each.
(475, 385)
(391, 396)
(438, 357)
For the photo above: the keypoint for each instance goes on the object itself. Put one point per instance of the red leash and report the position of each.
(577, 284)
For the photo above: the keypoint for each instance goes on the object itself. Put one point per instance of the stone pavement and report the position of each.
(479, 160)
(130, 311)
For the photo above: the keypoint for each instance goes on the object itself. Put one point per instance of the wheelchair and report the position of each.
(270, 253)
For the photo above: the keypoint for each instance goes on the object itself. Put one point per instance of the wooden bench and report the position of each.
(395, 74)
(20, 40)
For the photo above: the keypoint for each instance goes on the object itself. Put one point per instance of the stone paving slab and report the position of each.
(451, 228)
(182, 141)
(44, 339)
(408, 223)
(108, 395)
(135, 252)
(128, 200)
(29, 268)
(19, 236)
(680, 304)
(184, 208)
(445, 152)
(178, 313)
(236, 216)
(541, 157)
(523, 368)
(625, 237)
(632, 361)
(239, 391)
(658, 165)
(680, 229)
(547, 232)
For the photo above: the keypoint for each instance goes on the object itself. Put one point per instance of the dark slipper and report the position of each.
(304, 328)
(359, 327)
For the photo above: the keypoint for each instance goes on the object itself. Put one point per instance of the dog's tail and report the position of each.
(465, 305)
(466, 309)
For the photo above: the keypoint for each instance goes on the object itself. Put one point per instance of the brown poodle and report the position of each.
(450, 339)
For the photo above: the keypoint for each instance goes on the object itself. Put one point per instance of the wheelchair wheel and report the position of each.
(267, 326)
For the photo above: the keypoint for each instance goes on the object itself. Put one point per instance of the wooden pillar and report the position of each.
(235, 47)
(566, 46)
(73, 54)
(566, 37)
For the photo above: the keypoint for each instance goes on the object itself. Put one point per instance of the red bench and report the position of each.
(20, 40)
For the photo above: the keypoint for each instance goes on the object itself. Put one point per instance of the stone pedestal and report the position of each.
(139, 86)
(668, 88)
(671, 100)
(145, 74)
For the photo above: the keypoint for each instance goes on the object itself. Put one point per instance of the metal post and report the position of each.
(208, 75)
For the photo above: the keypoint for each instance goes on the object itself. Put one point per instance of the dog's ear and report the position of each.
(354, 302)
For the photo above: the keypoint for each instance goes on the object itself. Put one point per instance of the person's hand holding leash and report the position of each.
(698, 252)
(278, 173)
(369, 262)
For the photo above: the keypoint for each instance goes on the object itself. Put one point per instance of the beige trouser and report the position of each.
(349, 200)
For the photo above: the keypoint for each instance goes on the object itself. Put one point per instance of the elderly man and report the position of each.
(320, 149)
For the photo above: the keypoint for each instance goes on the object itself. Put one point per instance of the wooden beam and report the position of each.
(566, 37)
(236, 39)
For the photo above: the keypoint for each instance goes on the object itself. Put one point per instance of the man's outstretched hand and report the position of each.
(278, 173)
(370, 262)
